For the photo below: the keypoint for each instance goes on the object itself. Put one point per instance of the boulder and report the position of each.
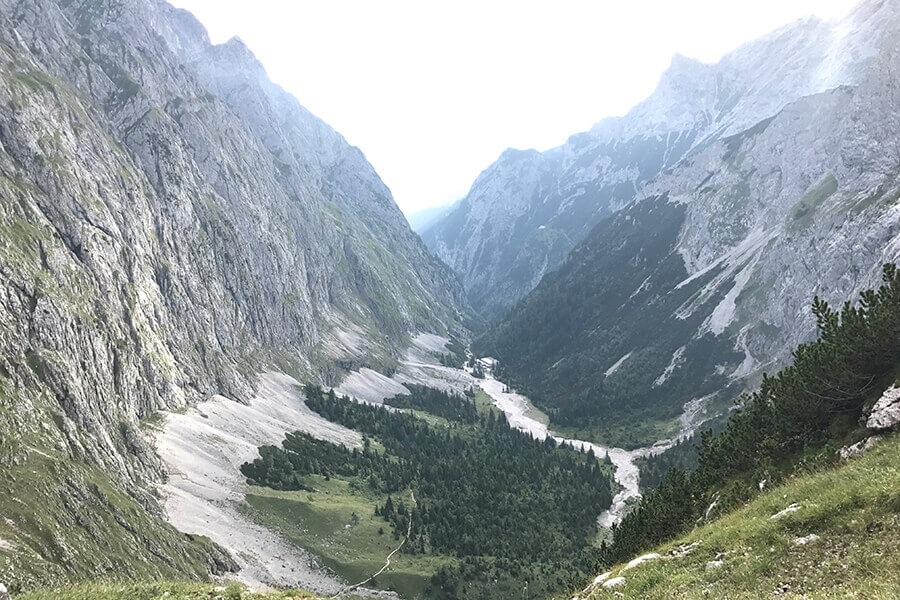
(684, 549)
(886, 412)
(859, 448)
(710, 508)
(806, 539)
(614, 582)
(601, 578)
(4, 593)
(639, 560)
(792, 508)
(714, 564)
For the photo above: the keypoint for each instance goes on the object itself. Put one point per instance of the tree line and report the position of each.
(484, 490)
(452, 407)
(796, 415)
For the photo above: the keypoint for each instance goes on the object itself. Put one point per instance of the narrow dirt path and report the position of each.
(387, 561)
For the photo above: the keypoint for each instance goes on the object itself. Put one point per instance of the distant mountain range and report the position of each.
(421, 221)
(702, 225)
(526, 211)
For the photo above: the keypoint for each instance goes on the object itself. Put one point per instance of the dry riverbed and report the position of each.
(204, 447)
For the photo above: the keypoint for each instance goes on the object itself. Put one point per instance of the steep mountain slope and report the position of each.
(171, 222)
(704, 280)
(837, 541)
(525, 212)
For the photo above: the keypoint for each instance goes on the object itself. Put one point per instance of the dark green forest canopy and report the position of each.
(616, 295)
(437, 402)
(484, 491)
(797, 416)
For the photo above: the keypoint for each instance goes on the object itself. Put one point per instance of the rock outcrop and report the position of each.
(706, 278)
(885, 414)
(526, 211)
(171, 224)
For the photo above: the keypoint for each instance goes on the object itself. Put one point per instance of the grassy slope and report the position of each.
(61, 521)
(855, 511)
(323, 523)
(157, 590)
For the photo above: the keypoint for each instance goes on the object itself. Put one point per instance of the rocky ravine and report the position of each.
(171, 225)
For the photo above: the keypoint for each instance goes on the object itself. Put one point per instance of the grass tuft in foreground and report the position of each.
(162, 591)
(842, 542)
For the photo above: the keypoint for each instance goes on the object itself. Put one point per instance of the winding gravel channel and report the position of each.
(518, 412)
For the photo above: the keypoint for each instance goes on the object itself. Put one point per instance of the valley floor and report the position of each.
(838, 538)
(275, 545)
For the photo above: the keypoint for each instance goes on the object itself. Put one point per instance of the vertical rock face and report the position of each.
(170, 222)
(513, 227)
(707, 277)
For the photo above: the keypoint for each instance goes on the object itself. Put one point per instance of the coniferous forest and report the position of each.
(796, 416)
(452, 407)
(512, 507)
(683, 456)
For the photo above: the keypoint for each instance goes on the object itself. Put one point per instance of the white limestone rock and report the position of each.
(886, 412)
(790, 509)
(859, 448)
(806, 539)
(640, 560)
(614, 582)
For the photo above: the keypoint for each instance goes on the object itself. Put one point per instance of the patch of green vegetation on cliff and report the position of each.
(801, 215)
(65, 522)
(879, 197)
(36, 81)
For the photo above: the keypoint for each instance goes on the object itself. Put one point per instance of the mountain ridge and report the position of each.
(603, 169)
(170, 229)
(765, 212)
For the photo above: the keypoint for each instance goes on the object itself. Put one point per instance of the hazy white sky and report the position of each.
(433, 92)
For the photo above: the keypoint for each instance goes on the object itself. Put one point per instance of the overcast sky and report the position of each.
(434, 92)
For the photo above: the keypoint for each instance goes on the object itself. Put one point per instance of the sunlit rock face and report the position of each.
(172, 224)
(684, 295)
(525, 212)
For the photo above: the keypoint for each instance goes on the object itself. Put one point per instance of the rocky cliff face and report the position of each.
(171, 222)
(706, 278)
(526, 211)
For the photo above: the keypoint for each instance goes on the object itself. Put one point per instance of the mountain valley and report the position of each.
(661, 360)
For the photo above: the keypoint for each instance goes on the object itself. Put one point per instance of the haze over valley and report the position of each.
(659, 360)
